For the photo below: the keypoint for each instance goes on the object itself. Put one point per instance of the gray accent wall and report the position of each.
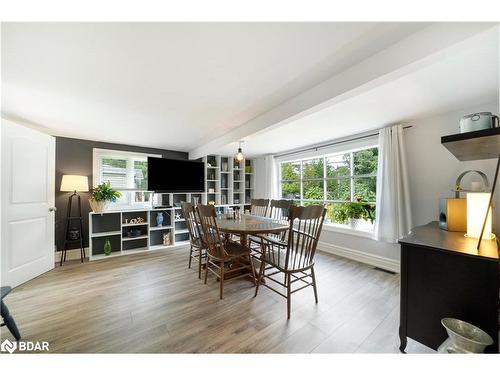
(74, 156)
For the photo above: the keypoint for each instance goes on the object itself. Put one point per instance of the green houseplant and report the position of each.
(101, 196)
(353, 213)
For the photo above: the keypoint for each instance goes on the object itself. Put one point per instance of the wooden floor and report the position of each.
(153, 303)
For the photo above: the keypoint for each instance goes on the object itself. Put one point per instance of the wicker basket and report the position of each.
(98, 206)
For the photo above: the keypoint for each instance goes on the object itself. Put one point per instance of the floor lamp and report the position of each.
(75, 184)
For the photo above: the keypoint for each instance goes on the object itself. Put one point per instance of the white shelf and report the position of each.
(105, 234)
(134, 238)
(181, 243)
(160, 247)
(160, 228)
(134, 225)
(224, 171)
(136, 250)
(104, 256)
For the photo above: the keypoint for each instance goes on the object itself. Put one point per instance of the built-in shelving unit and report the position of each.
(126, 237)
(229, 181)
(228, 184)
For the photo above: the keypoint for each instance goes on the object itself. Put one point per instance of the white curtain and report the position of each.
(393, 191)
(271, 178)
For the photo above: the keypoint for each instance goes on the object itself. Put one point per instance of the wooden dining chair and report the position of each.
(198, 247)
(220, 253)
(259, 207)
(279, 209)
(295, 257)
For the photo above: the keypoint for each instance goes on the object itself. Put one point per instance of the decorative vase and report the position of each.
(463, 338)
(98, 206)
(107, 247)
(166, 239)
(159, 219)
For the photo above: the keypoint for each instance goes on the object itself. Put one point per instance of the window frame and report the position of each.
(351, 177)
(98, 154)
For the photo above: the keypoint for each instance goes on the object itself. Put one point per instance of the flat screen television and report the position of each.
(175, 176)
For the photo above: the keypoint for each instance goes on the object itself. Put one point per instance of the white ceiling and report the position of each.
(465, 78)
(172, 85)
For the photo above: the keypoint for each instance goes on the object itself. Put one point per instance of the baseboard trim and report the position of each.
(360, 256)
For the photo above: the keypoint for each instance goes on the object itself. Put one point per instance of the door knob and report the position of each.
(52, 209)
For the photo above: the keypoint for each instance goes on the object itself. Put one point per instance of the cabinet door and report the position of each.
(442, 284)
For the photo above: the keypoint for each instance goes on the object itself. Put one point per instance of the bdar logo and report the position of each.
(8, 346)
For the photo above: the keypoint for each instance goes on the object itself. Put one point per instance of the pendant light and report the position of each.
(239, 155)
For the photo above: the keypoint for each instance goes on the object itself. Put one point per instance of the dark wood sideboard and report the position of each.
(443, 275)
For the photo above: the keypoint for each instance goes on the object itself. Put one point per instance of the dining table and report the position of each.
(249, 225)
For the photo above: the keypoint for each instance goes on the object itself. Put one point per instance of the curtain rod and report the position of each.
(316, 148)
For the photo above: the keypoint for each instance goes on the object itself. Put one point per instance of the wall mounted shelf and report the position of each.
(478, 145)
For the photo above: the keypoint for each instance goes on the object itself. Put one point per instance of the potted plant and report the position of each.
(101, 196)
(353, 213)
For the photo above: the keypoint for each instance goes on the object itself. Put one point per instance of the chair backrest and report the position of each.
(192, 222)
(305, 228)
(259, 207)
(280, 209)
(210, 231)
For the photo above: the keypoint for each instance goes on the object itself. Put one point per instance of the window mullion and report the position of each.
(324, 179)
(351, 161)
(301, 181)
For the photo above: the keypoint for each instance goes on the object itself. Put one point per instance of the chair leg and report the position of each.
(206, 271)
(9, 321)
(63, 257)
(288, 295)
(253, 269)
(190, 256)
(221, 281)
(200, 259)
(314, 284)
(261, 271)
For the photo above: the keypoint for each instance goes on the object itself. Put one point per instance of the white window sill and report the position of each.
(346, 230)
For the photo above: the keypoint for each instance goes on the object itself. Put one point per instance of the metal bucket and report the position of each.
(463, 337)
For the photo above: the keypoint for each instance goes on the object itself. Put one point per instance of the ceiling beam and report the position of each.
(411, 53)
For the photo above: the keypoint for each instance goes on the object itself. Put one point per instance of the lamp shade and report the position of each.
(477, 204)
(72, 182)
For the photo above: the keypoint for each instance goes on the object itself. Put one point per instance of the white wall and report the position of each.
(432, 171)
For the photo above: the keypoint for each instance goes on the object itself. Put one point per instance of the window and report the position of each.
(127, 172)
(345, 182)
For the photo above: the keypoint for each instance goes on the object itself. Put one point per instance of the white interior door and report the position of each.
(27, 226)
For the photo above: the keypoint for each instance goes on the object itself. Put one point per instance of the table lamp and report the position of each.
(477, 206)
